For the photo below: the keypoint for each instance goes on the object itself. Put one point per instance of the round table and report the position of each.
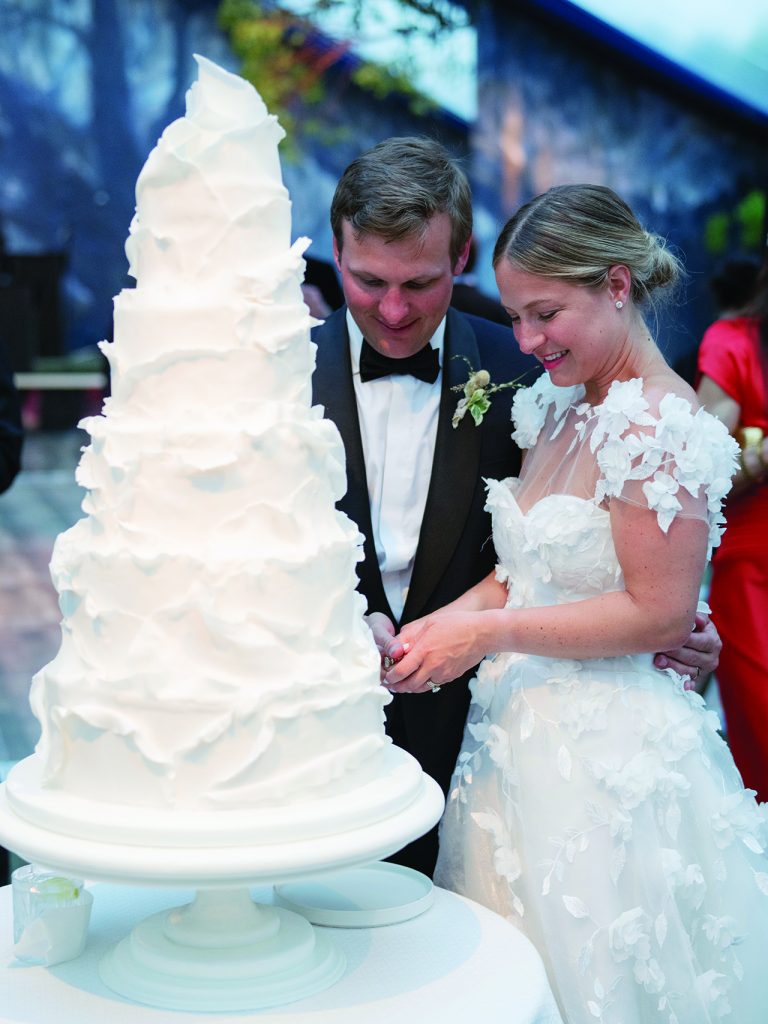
(454, 963)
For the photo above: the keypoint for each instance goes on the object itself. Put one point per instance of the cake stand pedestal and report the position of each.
(223, 951)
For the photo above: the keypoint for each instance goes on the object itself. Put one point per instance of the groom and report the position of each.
(388, 366)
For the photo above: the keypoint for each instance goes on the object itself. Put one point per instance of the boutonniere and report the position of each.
(477, 394)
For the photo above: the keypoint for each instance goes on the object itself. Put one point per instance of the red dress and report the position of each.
(730, 356)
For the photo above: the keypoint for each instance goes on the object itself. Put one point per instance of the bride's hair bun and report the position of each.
(577, 232)
(664, 268)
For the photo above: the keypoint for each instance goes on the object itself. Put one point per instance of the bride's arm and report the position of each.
(655, 611)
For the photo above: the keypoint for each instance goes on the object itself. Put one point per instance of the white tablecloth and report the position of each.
(456, 964)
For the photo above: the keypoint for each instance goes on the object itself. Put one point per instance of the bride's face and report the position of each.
(575, 332)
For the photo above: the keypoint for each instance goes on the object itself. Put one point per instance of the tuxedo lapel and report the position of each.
(454, 470)
(332, 387)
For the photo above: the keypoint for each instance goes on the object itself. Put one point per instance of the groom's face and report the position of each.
(399, 291)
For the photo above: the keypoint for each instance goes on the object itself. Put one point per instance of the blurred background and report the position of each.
(667, 102)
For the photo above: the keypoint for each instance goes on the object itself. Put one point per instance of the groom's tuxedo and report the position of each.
(455, 549)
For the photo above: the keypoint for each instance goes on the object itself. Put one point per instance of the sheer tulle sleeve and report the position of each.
(642, 446)
(655, 451)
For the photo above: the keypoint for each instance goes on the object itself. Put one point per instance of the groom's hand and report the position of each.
(698, 657)
(391, 649)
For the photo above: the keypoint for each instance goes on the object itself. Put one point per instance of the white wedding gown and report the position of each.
(594, 803)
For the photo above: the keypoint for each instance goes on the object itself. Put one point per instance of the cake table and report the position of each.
(455, 963)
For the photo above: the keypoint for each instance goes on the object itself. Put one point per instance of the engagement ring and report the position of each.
(434, 687)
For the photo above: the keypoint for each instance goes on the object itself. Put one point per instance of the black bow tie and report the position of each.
(424, 364)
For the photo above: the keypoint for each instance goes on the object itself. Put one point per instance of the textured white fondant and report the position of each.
(213, 655)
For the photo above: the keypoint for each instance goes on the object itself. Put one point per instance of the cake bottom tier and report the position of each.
(396, 785)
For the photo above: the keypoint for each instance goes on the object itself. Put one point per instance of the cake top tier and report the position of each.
(211, 207)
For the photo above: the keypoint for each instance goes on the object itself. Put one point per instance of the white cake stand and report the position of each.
(223, 951)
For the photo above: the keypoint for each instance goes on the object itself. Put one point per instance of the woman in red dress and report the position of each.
(733, 368)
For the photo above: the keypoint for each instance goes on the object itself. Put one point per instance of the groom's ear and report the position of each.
(461, 262)
(336, 254)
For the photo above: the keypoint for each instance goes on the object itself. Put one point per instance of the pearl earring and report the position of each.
(619, 304)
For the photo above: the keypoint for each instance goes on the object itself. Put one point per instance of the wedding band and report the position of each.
(697, 673)
(434, 687)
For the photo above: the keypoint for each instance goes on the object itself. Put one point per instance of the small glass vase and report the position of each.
(51, 913)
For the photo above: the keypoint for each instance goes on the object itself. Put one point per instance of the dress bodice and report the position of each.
(561, 550)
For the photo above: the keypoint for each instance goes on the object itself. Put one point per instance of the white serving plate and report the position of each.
(359, 897)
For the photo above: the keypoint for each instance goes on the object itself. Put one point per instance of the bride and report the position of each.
(594, 803)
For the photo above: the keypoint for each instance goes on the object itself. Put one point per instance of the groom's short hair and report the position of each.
(393, 189)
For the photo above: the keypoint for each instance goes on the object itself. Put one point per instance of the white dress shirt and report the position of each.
(398, 425)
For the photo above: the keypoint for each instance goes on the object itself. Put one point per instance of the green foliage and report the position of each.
(716, 233)
(277, 55)
(741, 228)
(268, 54)
(381, 82)
(750, 215)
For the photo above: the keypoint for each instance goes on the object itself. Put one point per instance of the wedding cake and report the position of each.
(216, 682)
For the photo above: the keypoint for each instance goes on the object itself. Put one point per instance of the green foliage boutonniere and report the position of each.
(477, 394)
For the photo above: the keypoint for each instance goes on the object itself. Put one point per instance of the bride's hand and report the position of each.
(441, 647)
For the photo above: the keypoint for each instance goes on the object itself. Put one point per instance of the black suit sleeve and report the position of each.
(11, 433)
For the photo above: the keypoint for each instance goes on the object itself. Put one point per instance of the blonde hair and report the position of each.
(577, 232)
